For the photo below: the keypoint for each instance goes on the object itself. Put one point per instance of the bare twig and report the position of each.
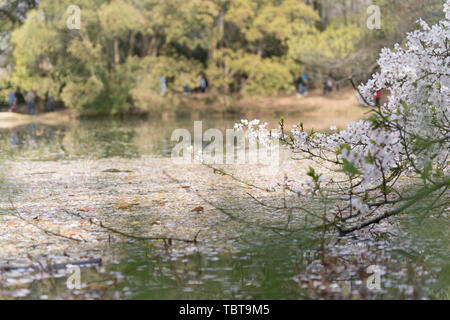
(226, 212)
(16, 214)
(232, 176)
(131, 236)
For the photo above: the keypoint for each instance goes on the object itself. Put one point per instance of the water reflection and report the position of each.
(279, 268)
(13, 139)
(274, 269)
(415, 262)
(99, 138)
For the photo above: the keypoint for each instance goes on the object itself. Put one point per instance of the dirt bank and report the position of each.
(314, 110)
(12, 120)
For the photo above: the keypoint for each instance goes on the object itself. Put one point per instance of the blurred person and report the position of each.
(51, 104)
(30, 99)
(243, 83)
(302, 83)
(186, 87)
(377, 98)
(12, 100)
(203, 83)
(163, 85)
(328, 84)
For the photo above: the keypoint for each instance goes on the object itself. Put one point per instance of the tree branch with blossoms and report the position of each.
(387, 164)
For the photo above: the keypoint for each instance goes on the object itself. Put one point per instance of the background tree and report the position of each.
(252, 47)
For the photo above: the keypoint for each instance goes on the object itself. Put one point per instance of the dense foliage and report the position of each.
(115, 61)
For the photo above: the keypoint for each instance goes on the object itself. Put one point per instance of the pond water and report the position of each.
(412, 262)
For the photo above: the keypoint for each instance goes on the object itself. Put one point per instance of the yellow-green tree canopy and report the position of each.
(116, 59)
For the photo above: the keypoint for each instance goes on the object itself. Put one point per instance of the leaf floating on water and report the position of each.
(198, 209)
(71, 234)
(116, 171)
(124, 206)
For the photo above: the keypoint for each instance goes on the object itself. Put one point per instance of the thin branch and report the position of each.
(225, 211)
(16, 214)
(232, 176)
(419, 196)
(131, 236)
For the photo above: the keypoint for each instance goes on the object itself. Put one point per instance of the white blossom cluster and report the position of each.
(257, 132)
(417, 78)
(409, 133)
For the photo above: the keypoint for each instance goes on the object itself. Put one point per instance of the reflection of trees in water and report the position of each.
(98, 140)
(29, 140)
(101, 138)
(302, 268)
(272, 269)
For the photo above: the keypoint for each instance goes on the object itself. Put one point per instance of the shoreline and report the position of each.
(314, 110)
(10, 120)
